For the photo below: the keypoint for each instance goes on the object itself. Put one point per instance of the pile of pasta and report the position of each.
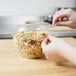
(29, 43)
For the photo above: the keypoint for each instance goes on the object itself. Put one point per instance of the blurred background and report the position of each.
(18, 12)
(31, 7)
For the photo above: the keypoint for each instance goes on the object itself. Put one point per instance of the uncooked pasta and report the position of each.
(29, 43)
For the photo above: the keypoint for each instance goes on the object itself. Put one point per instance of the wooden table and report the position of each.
(12, 64)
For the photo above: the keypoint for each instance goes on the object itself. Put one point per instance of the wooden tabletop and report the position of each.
(11, 63)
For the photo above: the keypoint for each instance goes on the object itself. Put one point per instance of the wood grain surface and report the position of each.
(12, 64)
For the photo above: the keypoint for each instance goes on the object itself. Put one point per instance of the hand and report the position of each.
(69, 14)
(52, 48)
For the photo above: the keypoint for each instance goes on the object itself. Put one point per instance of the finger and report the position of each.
(66, 23)
(44, 42)
(61, 14)
(60, 18)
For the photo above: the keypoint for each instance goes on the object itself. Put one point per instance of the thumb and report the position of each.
(66, 23)
(44, 42)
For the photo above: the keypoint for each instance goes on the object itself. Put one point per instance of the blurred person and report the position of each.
(57, 49)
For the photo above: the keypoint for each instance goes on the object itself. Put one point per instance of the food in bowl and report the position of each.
(29, 43)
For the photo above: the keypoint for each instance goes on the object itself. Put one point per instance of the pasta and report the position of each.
(29, 43)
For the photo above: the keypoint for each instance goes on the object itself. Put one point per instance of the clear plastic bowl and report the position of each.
(29, 37)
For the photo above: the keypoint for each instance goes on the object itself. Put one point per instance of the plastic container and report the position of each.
(29, 37)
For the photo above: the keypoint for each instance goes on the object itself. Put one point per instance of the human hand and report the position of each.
(69, 14)
(52, 47)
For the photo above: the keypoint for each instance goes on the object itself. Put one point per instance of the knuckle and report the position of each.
(69, 10)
